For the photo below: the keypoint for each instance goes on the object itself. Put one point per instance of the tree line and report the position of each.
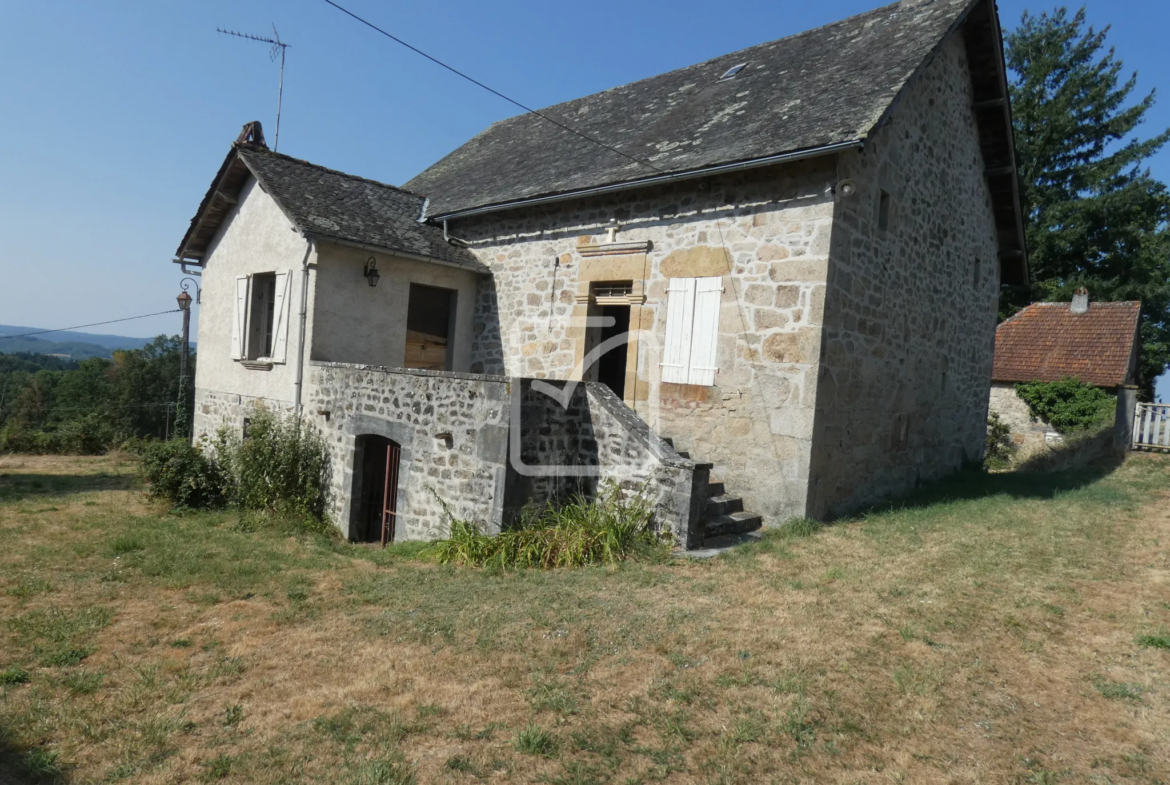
(54, 405)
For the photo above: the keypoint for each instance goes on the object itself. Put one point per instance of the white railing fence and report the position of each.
(1151, 426)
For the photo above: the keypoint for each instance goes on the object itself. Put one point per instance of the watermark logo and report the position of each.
(553, 428)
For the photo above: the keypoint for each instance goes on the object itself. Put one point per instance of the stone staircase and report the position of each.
(724, 513)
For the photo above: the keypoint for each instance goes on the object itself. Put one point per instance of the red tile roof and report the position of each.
(1046, 342)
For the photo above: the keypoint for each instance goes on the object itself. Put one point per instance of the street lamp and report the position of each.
(184, 301)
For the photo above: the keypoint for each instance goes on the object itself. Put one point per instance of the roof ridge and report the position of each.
(265, 151)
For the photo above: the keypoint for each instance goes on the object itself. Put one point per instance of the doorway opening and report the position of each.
(378, 507)
(611, 318)
(611, 368)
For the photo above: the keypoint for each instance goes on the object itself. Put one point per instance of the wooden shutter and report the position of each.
(240, 317)
(705, 331)
(281, 302)
(680, 314)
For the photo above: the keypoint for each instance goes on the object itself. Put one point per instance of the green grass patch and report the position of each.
(1160, 640)
(535, 740)
(14, 675)
(577, 533)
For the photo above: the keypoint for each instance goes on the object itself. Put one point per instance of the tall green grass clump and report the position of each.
(282, 466)
(577, 533)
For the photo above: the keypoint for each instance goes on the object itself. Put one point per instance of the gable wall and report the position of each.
(909, 335)
(256, 237)
(755, 423)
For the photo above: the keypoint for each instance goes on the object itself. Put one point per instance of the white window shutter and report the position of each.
(240, 317)
(280, 306)
(680, 313)
(705, 331)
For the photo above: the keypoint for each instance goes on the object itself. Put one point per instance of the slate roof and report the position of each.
(326, 204)
(1047, 342)
(827, 86)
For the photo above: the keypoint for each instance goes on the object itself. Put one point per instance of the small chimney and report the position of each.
(252, 133)
(1080, 301)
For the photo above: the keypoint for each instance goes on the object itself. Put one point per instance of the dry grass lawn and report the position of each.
(993, 629)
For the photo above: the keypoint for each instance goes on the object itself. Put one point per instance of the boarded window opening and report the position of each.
(429, 318)
(884, 212)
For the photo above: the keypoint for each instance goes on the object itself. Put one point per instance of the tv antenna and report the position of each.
(278, 48)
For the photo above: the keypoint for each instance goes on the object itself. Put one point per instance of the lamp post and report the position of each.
(184, 301)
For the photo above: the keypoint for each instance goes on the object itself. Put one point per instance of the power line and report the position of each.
(478, 83)
(95, 324)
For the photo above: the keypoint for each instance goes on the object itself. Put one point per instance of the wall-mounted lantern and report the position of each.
(371, 272)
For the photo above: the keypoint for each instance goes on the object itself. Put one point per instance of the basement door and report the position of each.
(379, 504)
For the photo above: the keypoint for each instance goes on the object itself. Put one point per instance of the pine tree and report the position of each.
(1095, 216)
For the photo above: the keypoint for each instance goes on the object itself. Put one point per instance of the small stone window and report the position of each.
(977, 275)
(883, 217)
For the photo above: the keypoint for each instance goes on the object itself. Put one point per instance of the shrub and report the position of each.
(1068, 405)
(282, 466)
(580, 532)
(181, 474)
(999, 443)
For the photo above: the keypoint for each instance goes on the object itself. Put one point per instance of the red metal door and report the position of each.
(390, 493)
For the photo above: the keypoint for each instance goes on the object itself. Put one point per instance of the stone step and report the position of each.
(715, 489)
(732, 523)
(722, 505)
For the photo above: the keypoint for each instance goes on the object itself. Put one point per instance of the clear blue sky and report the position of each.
(115, 115)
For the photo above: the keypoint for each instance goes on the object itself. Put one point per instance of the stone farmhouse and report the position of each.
(759, 287)
(1094, 342)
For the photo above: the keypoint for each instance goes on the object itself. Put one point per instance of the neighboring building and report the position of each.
(789, 268)
(1096, 343)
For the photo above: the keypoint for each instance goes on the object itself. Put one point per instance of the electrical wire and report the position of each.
(95, 324)
(478, 83)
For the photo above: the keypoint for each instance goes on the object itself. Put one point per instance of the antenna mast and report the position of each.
(278, 48)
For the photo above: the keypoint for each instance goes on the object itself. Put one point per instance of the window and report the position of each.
(977, 277)
(262, 309)
(429, 314)
(883, 212)
(260, 326)
(731, 72)
(692, 330)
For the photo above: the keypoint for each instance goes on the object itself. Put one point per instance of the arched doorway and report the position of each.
(378, 508)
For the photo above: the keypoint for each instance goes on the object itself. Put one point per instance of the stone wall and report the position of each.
(1031, 437)
(766, 232)
(910, 314)
(458, 431)
(215, 409)
(453, 431)
(588, 439)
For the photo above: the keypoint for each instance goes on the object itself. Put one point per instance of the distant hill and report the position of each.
(69, 336)
(67, 343)
(76, 350)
